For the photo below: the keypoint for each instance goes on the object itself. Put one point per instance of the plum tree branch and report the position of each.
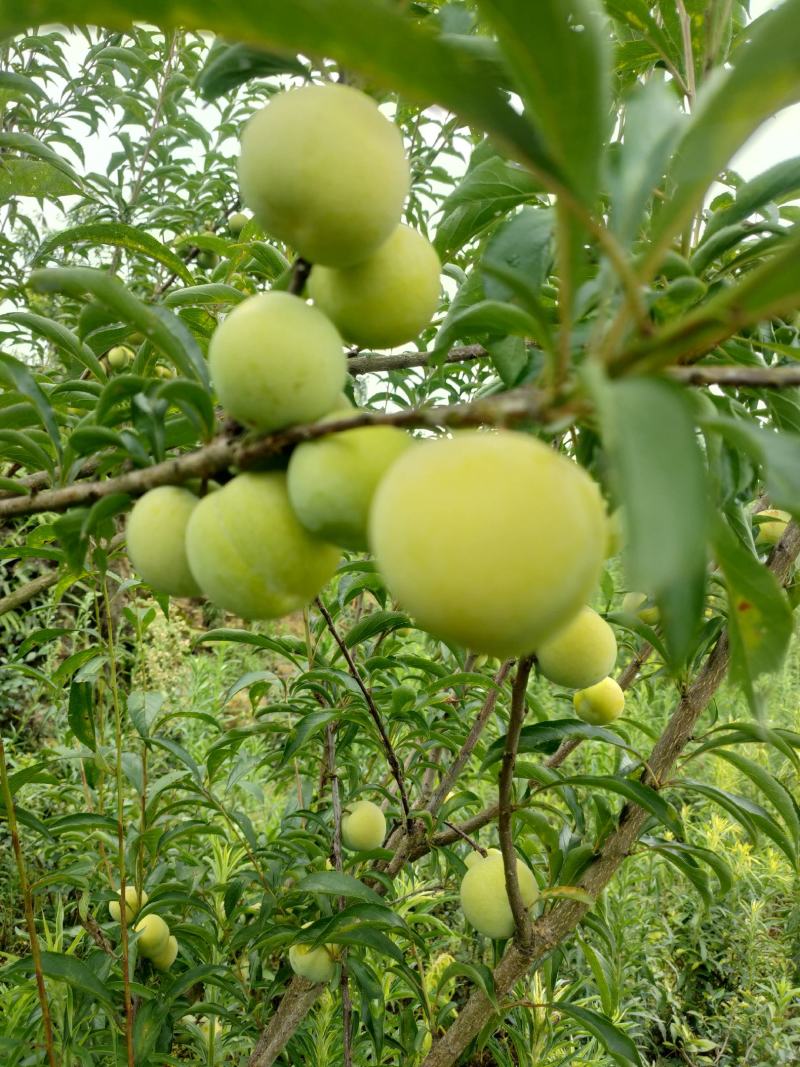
(555, 926)
(391, 755)
(233, 450)
(522, 921)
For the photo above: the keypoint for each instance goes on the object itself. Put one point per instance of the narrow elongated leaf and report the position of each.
(80, 713)
(775, 792)
(63, 968)
(24, 382)
(336, 884)
(546, 735)
(61, 337)
(636, 792)
(229, 65)
(562, 43)
(378, 622)
(765, 78)
(775, 184)
(751, 816)
(116, 235)
(35, 178)
(660, 476)
(610, 1036)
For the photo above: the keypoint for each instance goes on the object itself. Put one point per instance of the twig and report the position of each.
(465, 837)
(391, 755)
(336, 800)
(738, 377)
(522, 920)
(231, 450)
(28, 591)
(449, 779)
(301, 269)
(27, 902)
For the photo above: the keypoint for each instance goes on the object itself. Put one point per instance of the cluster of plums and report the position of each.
(155, 942)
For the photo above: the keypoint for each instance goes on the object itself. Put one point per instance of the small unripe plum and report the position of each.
(363, 826)
(207, 260)
(133, 903)
(601, 703)
(156, 538)
(162, 961)
(484, 899)
(632, 605)
(276, 361)
(385, 300)
(164, 372)
(249, 553)
(769, 533)
(463, 534)
(153, 935)
(332, 480)
(314, 964)
(581, 654)
(237, 222)
(323, 170)
(119, 356)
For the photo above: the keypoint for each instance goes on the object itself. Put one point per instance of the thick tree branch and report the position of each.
(553, 927)
(232, 450)
(522, 921)
(391, 755)
(28, 591)
(740, 377)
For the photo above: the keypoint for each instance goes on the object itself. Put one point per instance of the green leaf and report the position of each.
(35, 178)
(659, 473)
(549, 734)
(61, 337)
(478, 973)
(63, 968)
(776, 184)
(765, 78)
(229, 65)
(335, 884)
(161, 328)
(378, 622)
(80, 713)
(522, 245)
(213, 293)
(777, 453)
(612, 1039)
(23, 381)
(117, 235)
(775, 792)
(32, 146)
(636, 792)
(751, 816)
(759, 615)
(559, 52)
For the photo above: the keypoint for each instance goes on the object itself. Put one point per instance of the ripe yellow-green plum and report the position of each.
(600, 703)
(314, 964)
(163, 960)
(164, 372)
(632, 605)
(276, 361)
(476, 857)
(363, 826)
(153, 935)
(463, 536)
(581, 654)
(770, 532)
(133, 903)
(484, 899)
(323, 170)
(119, 356)
(248, 552)
(386, 299)
(156, 538)
(237, 222)
(332, 480)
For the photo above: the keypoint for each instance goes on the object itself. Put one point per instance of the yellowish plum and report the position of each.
(323, 170)
(314, 964)
(250, 555)
(581, 654)
(386, 299)
(333, 479)
(156, 539)
(632, 605)
(133, 903)
(163, 960)
(153, 935)
(770, 532)
(484, 899)
(119, 357)
(276, 361)
(601, 703)
(463, 535)
(363, 826)
(476, 857)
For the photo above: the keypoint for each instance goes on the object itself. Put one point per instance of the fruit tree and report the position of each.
(399, 456)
